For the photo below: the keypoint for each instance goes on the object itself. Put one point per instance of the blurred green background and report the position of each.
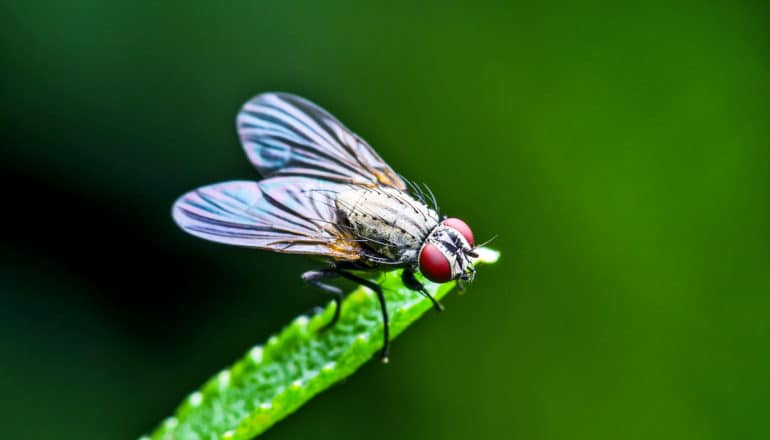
(622, 155)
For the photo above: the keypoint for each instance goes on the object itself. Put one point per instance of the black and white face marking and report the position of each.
(445, 255)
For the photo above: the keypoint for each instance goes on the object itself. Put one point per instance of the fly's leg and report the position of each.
(314, 278)
(381, 297)
(407, 277)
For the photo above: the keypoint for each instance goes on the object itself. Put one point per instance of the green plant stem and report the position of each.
(271, 381)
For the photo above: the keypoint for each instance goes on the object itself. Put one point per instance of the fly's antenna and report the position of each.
(487, 242)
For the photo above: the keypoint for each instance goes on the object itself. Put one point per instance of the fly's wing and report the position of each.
(285, 214)
(285, 135)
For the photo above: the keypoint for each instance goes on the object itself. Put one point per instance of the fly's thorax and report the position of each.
(386, 220)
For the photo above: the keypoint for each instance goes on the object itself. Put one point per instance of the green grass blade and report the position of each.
(272, 381)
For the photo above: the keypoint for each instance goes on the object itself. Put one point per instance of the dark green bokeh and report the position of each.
(620, 153)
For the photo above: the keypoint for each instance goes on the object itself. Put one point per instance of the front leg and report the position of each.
(407, 277)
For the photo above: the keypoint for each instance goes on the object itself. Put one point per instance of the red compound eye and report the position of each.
(434, 265)
(461, 227)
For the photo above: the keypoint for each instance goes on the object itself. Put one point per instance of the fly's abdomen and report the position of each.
(386, 220)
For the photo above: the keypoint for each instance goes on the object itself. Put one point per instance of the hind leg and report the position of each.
(383, 307)
(315, 278)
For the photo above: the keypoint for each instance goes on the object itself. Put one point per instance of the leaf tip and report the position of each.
(487, 255)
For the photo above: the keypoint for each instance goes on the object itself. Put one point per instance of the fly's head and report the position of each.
(446, 253)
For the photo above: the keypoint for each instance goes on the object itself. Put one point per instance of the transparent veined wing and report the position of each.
(287, 214)
(285, 135)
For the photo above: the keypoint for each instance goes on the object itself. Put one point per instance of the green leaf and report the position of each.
(273, 380)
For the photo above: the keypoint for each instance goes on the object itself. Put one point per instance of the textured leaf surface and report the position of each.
(273, 380)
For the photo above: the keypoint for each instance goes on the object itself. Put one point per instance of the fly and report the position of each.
(325, 192)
